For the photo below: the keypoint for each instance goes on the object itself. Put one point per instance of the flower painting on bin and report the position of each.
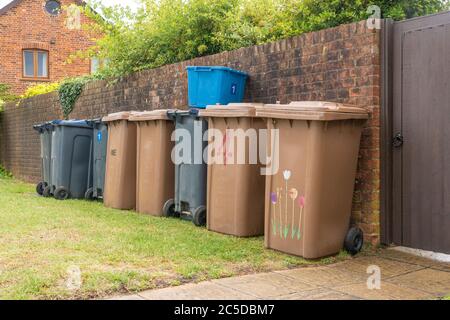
(287, 217)
(274, 200)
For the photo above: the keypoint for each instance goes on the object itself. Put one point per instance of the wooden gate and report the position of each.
(416, 121)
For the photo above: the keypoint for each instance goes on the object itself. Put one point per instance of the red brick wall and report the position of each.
(340, 64)
(27, 25)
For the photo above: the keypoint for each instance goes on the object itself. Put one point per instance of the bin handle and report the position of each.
(203, 69)
(193, 112)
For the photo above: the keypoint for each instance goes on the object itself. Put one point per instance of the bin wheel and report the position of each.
(47, 192)
(169, 208)
(40, 188)
(89, 195)
(354, 241)
(61, 193)
(199, 216)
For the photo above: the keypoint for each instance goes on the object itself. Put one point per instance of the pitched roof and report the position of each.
(14, 3)
(10, 5)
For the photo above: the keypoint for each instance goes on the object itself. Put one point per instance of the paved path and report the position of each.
(403, 276)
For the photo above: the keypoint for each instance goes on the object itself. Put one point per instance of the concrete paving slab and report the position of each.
(318, 294)
(331, 276)
(413, 259)
(436, 256)
(201, 291)
(269, 285)
(388, 291)
(435, 282)
(389, 268)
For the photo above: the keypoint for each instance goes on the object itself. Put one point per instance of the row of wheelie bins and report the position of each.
(298, 193)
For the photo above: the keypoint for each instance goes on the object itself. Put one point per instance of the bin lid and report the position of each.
(312, 110)
(178, 113)
(231, 110)
(160, 114)
(124, 115)
(211, 68)
(72, 123)
(44, 126)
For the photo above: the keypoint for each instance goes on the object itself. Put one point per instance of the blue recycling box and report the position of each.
(215, 85)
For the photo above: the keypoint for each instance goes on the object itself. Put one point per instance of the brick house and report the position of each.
(36, 39)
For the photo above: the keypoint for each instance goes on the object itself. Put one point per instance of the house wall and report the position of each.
(28, 26)
(340, 64)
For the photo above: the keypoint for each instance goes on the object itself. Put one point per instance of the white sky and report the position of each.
(130, 3)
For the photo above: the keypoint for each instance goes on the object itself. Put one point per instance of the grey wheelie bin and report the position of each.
(99, 147)
(71, 166)
(45, 131)
(190, 168)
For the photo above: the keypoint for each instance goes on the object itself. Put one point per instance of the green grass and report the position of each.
(116, 251)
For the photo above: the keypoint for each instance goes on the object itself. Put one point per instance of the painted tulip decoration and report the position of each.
(279, 192)
(293, 194)
(301, 203)
(274, 200)
(287, 175)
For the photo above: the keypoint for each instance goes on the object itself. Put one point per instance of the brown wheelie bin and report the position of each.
(155, 170)
(235, 187)
(120, 176)
(309, 198)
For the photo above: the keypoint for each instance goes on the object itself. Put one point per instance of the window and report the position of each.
(35, 64)
(52, 7)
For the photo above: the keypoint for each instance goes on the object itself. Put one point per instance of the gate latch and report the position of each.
(398, 140)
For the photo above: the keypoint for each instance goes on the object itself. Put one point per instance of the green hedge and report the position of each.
(168, 31)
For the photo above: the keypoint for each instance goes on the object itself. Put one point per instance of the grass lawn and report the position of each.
(116, 251)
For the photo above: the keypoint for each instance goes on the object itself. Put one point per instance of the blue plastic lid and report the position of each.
(72, 123)
(211, 68)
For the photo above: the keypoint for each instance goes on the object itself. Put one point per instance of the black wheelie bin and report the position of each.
(71, 162)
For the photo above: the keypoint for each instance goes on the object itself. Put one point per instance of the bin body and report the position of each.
(120, 174)
(71, 159)
(100, 145)
(155, 170)
(45, 135)
(236, 187)
(190, 167)
(309, 200)
(215, 85)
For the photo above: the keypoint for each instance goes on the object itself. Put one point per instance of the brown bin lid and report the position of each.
(124, 115)
(160, 114)
(231, 110)
(312, 110)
